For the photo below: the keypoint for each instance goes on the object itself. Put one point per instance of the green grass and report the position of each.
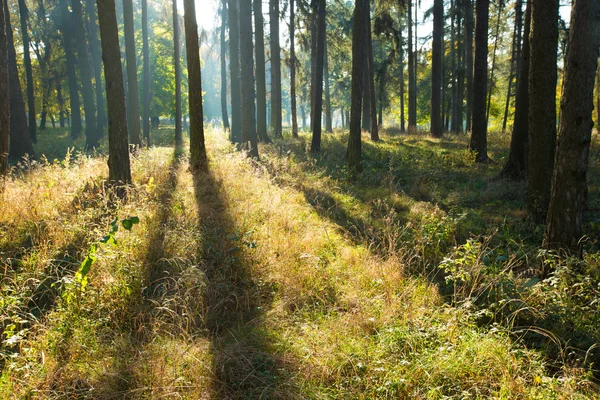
(281, 278)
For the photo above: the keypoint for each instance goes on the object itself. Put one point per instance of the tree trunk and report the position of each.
(460, 73)
(569, 187)
(276, 108)
(96, 59)
(32, 125)
(224, 113)
(497, 38)
(328, 122)
(249, 139)
(119, 169)
(315, 146)
(133, 99)
(197, 148)
(516, 165)
(61, 101)
(66, 27)
(401, 41)
(177, 63)
(361, 12)
(293, 70)
(436, 68)
(453, 51)
(261, 80)
(371, 80)
(479, 134)
(89, 108)
(4, 99)
(234, 70)
(469, 60)
(516, 43)
(542, 105)
(146, 78)
(412, 79)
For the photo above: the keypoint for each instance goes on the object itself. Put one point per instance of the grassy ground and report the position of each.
(280, 278)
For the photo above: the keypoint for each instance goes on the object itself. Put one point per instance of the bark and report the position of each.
(497, 39)
(371, 81)
(234, 70)
(261, 80)
(315, 145)
(453, 51)
(328, 122)
(61, 102)
(542, 105)
(436, 68)
(402, 90)
(197, 148)
(516, 165)
(4, 99)
(146, 77)
(412, 79)
(361, 11)
(224, 113)
(177, 63)
(293, 70)
(469, 61)
(276, 108)
(89, 108)
(32, 125)
(249, 139)
(133, 99)
(479, 133)
(119, 169)
(66, 26)
(516, 42)
(96, 61)
(569, 187)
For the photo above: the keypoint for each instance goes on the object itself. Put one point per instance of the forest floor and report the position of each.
(282, 278)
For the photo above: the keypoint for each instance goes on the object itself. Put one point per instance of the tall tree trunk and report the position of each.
(66, 27)
(4, 99)
(276, 107)
(460, 73)
(516, 165)
(469, 60)
(479, 133)
(514, 58)
(497, 39)
(401, 41)
(32, 125)
(133, 99)
(371, 81)
(436, 68)
(542, 105)
(96, 59)
(569, 187)
(328, 122)
(89, 108)
(453, 51)
(224, 113)
(197, 148)
(234, 70)
(249, 139)
(177, 63)
(315, 145)
(366, 101)
(412, 79)
(60, 100)
(293, 70)
(361, 13)
(261, 79)
(119, 168)
(146, 78)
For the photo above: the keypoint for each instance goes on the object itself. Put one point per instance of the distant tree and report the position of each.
(96, 61)
(569, 187)
(224, 114)
(468, 5)
(478, 142)
(24, 14)
(197, 149)
(133, 99)
(276, 105)
(370, 83)
(542, 105)
(119, 169)
(361, 16)
(234, 71)
(249, 139)
(292, 68)
(515, 57)
(4, 99)
(261, 80)
(436, 68)
(68, 35)
(146, 77)
(328, 122)
(177, 67)
(317, 77)
(412, 73)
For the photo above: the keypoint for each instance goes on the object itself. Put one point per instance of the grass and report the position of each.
(280, 278)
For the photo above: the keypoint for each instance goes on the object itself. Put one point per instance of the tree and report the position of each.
(224, 114)
(497, 39)
(177, 67)
(412, 78)
(569, 187)
(370, 84)
(436, 68)
(119, 169)
(133, 99)
(261, 80)
(328, 122)
(146, 78)
(4, 99)
(469, 60)
(276, 106)
(197, 148)
(66, 27)
(478, 142)
(247, 73)
(292, 69)
(317, 81)
(361, 11)
(96, 60)
(234, 70)
(24, 14)
(542, 105)
(515, 57)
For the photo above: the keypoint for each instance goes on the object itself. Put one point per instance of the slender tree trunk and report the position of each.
(516, 165)
(366, 101)
(177, 63)
(61, 101)
(96, 60)
(453, 51)
(67, 36)
(32, 125)
(119, 168)
(436, 68)
(402, 94)
(293, 70)
(315, 146)
(497, 39)
(569, 186)
(276, 107)
(542, 105)
(460, 73)
(197, 148)
(146, 78)
(371, 81)
(361, 12)
(479, 134)
(469, 60)
(249, 139)
(234, 70)
(85, 75)
(224, 113)
(412, 85)
(133, 99)
(328, 122)
(514, 63)
(261, 80)
(4, 99)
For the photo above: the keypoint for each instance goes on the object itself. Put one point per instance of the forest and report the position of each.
(299, 199)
